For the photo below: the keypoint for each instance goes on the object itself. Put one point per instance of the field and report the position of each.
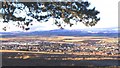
(60, 51)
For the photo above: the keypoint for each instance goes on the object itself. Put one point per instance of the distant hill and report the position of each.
(87, 32)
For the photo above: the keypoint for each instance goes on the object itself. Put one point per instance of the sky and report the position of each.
(108, 14)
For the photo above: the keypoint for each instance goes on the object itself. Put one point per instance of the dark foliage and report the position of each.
(77, 11)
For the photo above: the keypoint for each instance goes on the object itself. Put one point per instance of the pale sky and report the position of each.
(108, 14)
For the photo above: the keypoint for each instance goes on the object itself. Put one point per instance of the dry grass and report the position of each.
(59, 38)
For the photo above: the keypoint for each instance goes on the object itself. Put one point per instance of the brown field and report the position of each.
(11, 57)
(66, 39)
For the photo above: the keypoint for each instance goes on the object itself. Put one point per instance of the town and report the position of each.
(60, 50)
(65, 46)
